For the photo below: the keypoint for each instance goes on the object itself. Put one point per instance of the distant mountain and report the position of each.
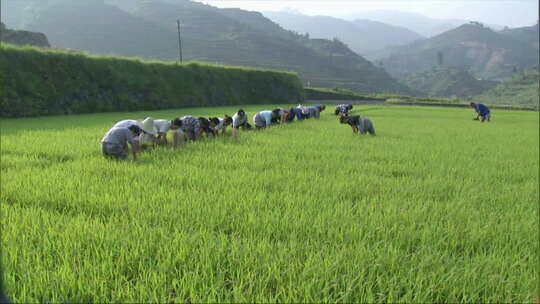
(103, 29)
(472, 47)
(418, 23)
(227, 36)
(23, 37)
(522, 89)
(448, 82)
(362, 36)
(527, 34)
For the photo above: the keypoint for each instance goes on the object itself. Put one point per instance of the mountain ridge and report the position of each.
(362, 36)
(477, 49)
(226, 36)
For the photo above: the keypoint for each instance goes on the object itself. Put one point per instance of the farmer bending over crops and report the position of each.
(297, 112)
(191, 127)
(220, 124)
(288, 115)
(239, 120)
(319, 109)
(313, 112)
(205, 127)
(358, 123)
(148, 134)
(178, 134)
(114, 143)
(481, 110)
(343, 108)
(266, 118)
(163, 126)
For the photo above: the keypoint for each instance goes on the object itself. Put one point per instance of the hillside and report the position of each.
(362, 36)
(472, 47)
(226, 36)
(527, 34)
(448, 82)
(23, 37)
(102, 29)
(522, 89)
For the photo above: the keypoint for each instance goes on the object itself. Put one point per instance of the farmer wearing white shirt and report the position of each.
(265, 118)
(239, 119)
(163, 126)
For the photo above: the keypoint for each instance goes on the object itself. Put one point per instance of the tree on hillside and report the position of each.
(476, 23)
(440, 58)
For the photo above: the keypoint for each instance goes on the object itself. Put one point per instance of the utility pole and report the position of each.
(179, 41)
(1, 31)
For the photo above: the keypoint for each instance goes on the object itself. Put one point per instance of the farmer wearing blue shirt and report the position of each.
(297, 112)
(481, 110)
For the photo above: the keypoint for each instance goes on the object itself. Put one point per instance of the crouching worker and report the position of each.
(481, 110)
(163, 126)
(220, 124)
(343, 109)
(297, 112)
(147, 136)
(240, 120)
(288, 115)
(206, 127)
(191, 127)
(115, 142)
(358, 123)
(179, 137)
(315, 111)
(265, 119)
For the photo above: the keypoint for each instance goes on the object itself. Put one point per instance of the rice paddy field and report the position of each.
(435, 208)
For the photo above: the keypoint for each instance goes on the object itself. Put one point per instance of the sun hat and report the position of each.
(147, 125)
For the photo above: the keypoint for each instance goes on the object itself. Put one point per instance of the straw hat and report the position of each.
(147, 125)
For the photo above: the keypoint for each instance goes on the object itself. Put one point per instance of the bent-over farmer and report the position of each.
(358, 123)
(148, 134)
(481, 111)
(265, 118)
(240, 120)
(115, 142)
(191, 127)
(163, 126)
(178, 134)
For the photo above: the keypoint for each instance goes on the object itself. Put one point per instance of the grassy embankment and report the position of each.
(46, 82)
(436, 208)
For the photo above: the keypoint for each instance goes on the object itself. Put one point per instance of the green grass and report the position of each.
(436, 208)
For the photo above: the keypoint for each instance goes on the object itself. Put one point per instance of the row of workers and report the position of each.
(149, 132)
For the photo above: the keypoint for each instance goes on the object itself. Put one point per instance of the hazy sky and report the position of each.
(503, 12)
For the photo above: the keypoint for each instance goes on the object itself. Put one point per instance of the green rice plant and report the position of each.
(435, 208)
